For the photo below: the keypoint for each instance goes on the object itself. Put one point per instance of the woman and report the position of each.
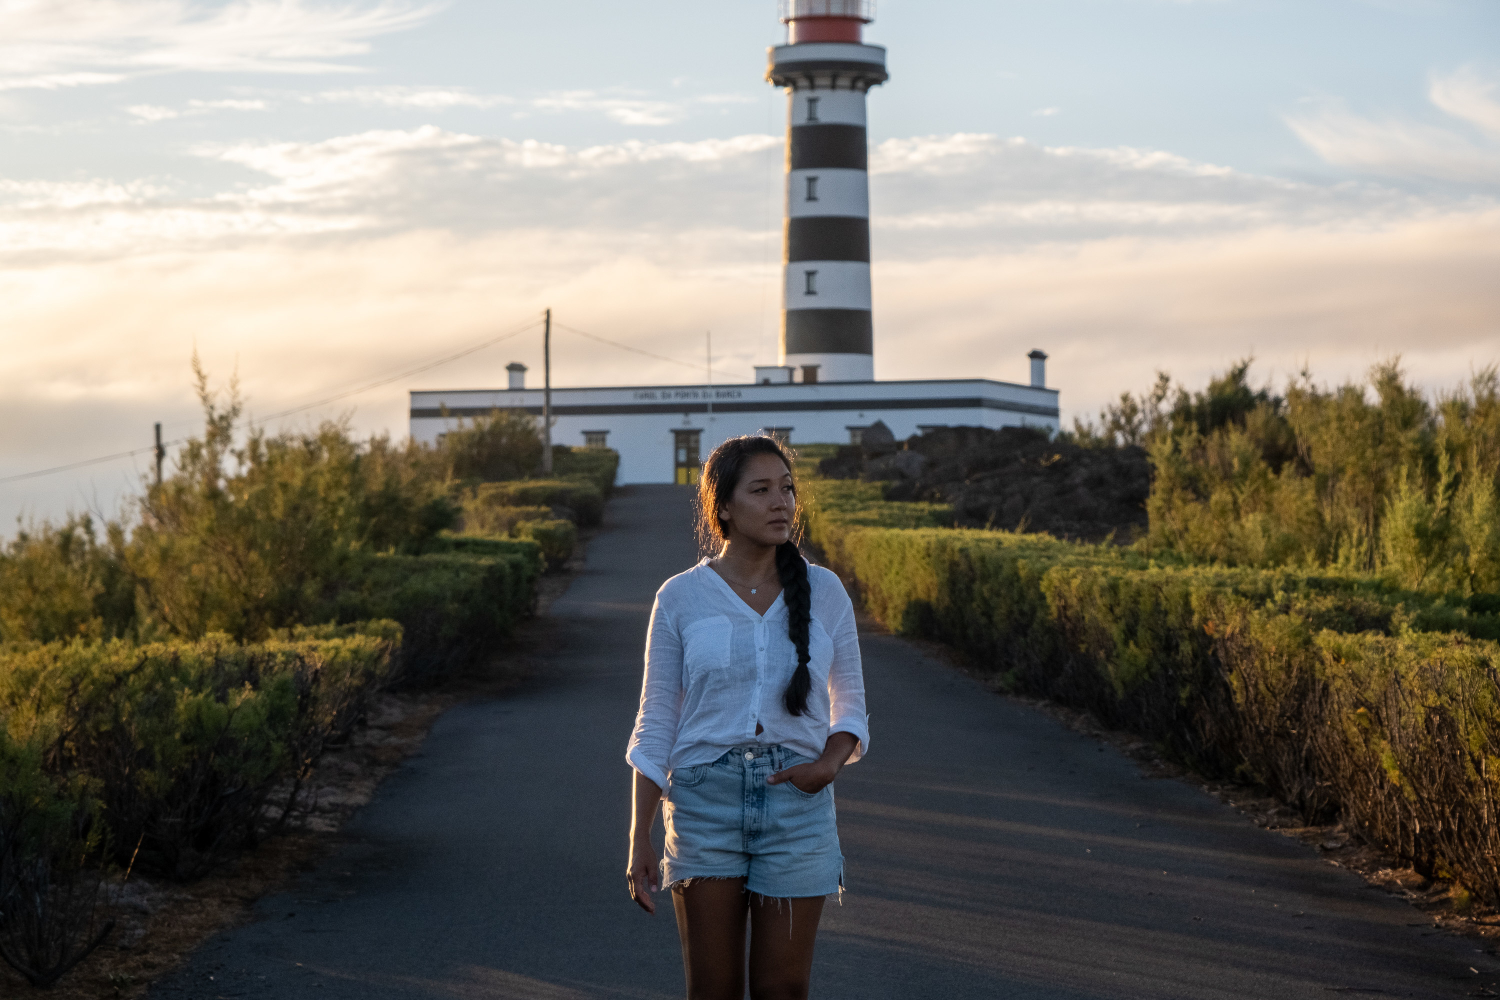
(753, 702)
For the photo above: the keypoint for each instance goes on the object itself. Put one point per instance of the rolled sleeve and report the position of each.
(846, 684)
(656, 722)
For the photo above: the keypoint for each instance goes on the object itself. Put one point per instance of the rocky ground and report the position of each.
(1015, 479)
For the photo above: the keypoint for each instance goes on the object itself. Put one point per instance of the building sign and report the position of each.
(673, 395)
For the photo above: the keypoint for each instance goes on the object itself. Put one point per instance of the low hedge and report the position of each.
(598, 466)
(182, 743)
(454, 607)
(484, 517)
(582, 498)
(557, 539)
(1332, 692)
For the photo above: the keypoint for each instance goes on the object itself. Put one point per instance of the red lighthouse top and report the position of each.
(826, 20)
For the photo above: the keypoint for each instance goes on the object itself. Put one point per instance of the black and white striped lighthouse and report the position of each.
(827, 333)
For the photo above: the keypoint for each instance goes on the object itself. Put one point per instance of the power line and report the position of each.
(386, 380)
(84, 464)
(637, 350)
(408, 373)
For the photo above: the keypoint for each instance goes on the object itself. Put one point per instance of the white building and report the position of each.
(663, 432)
(823, 389)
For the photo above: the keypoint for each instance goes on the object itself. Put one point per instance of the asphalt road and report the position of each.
(991, 853)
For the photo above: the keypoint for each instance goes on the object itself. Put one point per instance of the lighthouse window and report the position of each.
(812, 109)
(812, 189)
(812, 282)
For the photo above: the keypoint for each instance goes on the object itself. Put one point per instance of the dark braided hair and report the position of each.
(721, 475)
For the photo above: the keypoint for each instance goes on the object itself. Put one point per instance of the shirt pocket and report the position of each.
(705, 646)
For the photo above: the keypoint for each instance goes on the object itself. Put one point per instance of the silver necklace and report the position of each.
(757, 587)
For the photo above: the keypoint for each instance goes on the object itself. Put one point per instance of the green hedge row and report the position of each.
(1338, 695)
(454, 606)
(598, 466)
(583, 499)
(163, 757)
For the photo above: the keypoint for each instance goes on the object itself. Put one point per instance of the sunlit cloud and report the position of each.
(158, 113)
(50, 44)
(628, 110)
(410, 98)
(1400, 147)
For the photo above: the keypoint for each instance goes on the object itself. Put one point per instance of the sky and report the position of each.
(318, 195)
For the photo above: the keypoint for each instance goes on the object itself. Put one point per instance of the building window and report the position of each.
(856, 435)
(596, 439)
(812, 109)
(782, 434)
(809, 374)
(812, 189)
(685, 457)
(812, 282)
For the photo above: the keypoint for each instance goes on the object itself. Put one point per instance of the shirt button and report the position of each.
(749, 755)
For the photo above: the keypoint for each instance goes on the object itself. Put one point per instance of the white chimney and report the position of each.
(1038, 369)
(517, 375)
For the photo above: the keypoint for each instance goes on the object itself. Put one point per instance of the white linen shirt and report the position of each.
(715, 668)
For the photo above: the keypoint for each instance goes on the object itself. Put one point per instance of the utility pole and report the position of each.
(161, 453)
(547, 396)
(710, 376)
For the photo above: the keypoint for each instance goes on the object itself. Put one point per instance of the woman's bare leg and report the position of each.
(711, 923)
(782, 934)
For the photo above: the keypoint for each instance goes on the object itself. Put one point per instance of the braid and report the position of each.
(721, 474)
(797, 594)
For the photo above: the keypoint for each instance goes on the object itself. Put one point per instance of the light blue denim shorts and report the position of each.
(724, 821)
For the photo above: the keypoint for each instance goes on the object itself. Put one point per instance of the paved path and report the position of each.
(991, 854)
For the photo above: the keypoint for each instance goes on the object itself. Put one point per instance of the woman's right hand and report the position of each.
(644, 874)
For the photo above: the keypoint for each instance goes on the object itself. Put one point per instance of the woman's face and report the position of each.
(763, 504)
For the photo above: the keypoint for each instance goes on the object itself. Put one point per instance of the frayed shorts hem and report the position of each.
(682, 881)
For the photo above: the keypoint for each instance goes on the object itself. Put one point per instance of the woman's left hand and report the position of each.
(810, 778)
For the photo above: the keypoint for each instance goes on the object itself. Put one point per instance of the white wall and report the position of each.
(645, 442)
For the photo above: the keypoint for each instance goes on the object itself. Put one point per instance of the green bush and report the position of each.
(183, 743)
(482, 516)
(504, 445)
(454, 608)
(557, 539)
(51, 839)
(599, 466)
(1372, 477)
(61, 583)
(244, 539)
(491, 547)
(579, 497)
(1323, 688)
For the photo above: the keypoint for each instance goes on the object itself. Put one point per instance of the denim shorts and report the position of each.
(724, 821)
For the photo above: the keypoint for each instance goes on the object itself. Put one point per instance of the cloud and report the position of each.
(932, 196)
(1047, 112)
(1400, 147)
(628, 110)
(157, 113)
(51, 44)
(411, 98)
(1471, 97)
(327, 261)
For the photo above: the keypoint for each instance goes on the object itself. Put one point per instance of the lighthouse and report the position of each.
(827, 332)
(823, 390)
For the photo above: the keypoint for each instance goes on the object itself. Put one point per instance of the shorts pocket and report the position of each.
(687, 777)
(806, 795)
